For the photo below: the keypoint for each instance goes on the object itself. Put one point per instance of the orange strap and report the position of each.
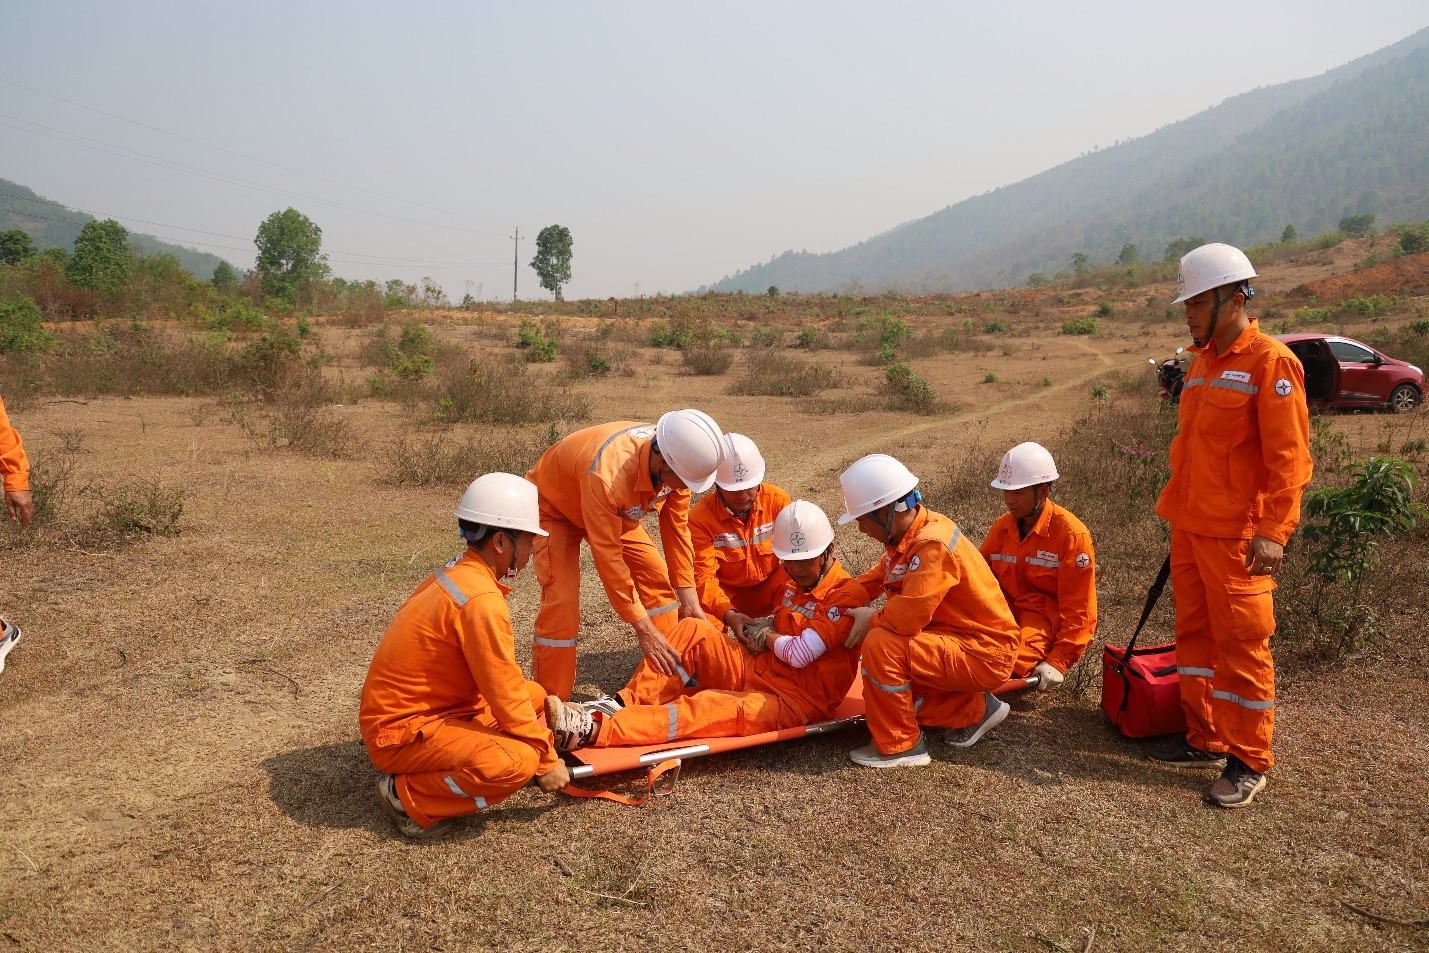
(652, 774)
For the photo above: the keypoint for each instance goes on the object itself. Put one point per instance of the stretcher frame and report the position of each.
(600, 761)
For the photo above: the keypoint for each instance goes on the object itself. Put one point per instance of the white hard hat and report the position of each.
(802, 531)
(1026, 464)
(742, 466)
(692, 444)
(503, 500)
(873, 481)
(1211, 266)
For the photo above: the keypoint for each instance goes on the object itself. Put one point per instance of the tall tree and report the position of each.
(101, 256)
(290, 258)
(15, 246)
(224, 277)
(1129, 255)
(552, 263)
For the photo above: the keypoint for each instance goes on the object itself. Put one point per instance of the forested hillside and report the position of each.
(51, 225)
(1304, 153)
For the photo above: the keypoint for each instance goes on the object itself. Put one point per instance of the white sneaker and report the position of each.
(869, 757)
(572, 726)
(9, 638)
(995, 710)
(605, 704)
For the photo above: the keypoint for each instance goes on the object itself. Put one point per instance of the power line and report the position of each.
(174, 166)
(209, 145)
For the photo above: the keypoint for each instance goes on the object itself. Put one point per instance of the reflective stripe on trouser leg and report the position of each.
(558, 622)
(458, 767)
(1241, 614)
(888, 692)
(1195, 646)
(712, 713)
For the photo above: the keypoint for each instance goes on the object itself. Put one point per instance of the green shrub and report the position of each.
(995, 327)
(905, 390)
(810, 338)
(538, 343)
(678, 334)
(883, 332)
(1086, 325)
(989, 378)
(708, 360)
(21, 327)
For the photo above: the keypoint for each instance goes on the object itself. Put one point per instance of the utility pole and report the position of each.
(515, 263)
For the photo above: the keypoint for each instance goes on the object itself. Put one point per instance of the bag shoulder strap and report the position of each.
(1152, 596)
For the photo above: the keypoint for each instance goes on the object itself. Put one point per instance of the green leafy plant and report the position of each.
(1087, 325)
(1344, 525)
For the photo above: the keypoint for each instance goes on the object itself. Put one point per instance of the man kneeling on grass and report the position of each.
(446, 711)
(786, 670)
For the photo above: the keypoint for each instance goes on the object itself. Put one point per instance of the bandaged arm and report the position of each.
(797, 651)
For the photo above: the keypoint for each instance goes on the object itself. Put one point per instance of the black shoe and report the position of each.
(1236, 787)
(1183, 755)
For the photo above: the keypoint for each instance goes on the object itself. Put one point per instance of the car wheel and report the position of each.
(1403, 398)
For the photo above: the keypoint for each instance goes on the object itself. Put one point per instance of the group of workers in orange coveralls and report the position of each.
(749, 623)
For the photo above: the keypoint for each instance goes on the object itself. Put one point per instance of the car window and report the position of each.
(1347, 353)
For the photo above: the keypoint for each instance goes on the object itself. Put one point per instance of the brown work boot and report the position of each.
(392, 804)
(1236, 787)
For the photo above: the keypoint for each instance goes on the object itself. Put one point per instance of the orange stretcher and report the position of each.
(665, 759)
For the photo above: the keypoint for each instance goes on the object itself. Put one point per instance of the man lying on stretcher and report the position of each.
(787, 670)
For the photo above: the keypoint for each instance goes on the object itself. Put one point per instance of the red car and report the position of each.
(1343, 372)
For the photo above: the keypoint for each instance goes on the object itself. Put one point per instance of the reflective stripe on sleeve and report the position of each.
(662, 609)
(451, 587)
(1243, 702)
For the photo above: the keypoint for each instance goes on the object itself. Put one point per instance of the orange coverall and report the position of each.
(945, 636)
(445, 706)
(1049, 579)
(1238, 467)
(14, 466)
(735, 565)
(595, 484)
(737, 692)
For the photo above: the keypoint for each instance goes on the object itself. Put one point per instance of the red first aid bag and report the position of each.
(1141, 692)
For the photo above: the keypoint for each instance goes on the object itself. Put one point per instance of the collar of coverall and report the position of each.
(475, 558)
(646, 480)
(1241, 343)
(920, 519)
(1039, 528)
(822, 587)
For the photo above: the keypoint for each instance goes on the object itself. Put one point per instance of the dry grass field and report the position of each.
(179, 761)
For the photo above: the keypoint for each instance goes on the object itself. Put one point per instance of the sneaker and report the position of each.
(392, 804)
(869, 757)
(994, 711)
(1183, 755)
(1236, 787)
(9, 638)
(572, 726)
(605, 704)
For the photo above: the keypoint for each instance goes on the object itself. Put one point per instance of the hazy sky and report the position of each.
(679, 142)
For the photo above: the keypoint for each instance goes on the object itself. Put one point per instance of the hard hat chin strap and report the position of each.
(909, 502)
(826, 562)
(1241, 288)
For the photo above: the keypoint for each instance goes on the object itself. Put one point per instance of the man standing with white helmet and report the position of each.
(792, 669)
(446, 712)
(736, 571)
(597, 484)
(1239, 464)
(1043, 559)
(944, 639)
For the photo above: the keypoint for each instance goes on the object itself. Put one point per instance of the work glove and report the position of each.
(756, 634)
(1047, 676)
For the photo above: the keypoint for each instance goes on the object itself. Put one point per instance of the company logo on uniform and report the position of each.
(914, 563)
(834, 614)
(1083, 560)
(1242, 376)
(641, 433)
(453, 561)
(796, 542)
(1283, 387)
(633, 513)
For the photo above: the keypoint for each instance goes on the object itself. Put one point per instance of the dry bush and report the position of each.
(904, 390)
(505, 393)
(584, 360)
(775, 373)
(707, 360)
(439, 460)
